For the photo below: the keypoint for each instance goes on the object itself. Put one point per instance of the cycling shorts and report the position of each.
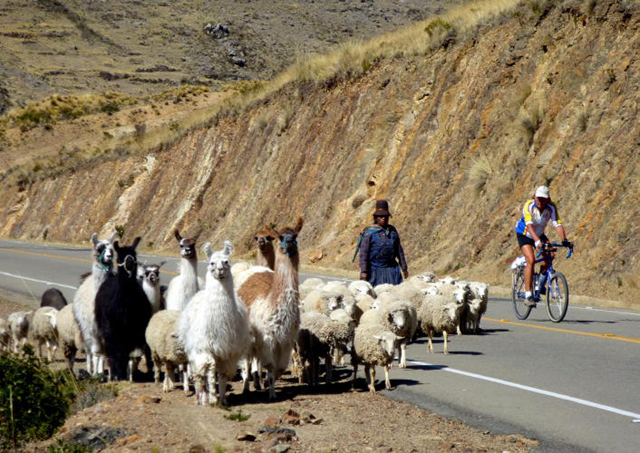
(524, 240)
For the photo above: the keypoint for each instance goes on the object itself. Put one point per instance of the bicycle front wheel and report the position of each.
(557, 297)
(517, 295)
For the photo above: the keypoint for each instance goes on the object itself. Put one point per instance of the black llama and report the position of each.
(123, 312)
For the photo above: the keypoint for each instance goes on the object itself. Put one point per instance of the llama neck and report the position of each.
(267, 256)
(99, 272)
(189, 274)
(153, 294)
(285, 278)
(220, 290)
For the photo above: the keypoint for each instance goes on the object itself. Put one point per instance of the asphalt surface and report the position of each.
(574, 386)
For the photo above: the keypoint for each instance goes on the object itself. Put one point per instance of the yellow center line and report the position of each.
(609, 336)
(69, 258)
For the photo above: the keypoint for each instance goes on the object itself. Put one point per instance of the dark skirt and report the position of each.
(381, 275)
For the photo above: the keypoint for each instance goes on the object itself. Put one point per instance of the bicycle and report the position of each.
(554, 283)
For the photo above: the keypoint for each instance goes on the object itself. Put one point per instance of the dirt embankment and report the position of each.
(456, 139)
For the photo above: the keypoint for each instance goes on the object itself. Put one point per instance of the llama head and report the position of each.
(187, 246)
(264, 239)
(128, 258)
(103, 253)
(151, 273)
(219, 267)
(288, 238)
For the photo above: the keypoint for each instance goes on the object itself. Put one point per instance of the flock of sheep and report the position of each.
(256, 319)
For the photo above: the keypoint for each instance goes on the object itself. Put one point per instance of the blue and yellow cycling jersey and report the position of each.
(531, 215)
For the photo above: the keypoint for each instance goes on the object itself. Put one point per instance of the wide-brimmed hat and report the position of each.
(382, 208)
(542, 192)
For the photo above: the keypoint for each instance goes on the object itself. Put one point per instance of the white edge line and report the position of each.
(38, 281)
(603, 407)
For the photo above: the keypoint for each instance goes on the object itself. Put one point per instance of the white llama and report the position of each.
(184, 286)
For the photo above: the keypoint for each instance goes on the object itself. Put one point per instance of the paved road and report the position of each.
(575, 386)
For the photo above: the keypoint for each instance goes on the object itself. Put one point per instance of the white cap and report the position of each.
(542, 192)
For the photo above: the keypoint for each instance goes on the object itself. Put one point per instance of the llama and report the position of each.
(53, 297)
(84, 302)
(183, 287)
(266, 253)
(274, 311)
(149, 277)
(214, 329)
(122, 313)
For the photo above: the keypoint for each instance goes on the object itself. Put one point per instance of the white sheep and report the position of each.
(361, 287)
(372, 345)
(476, 306)
(43, 330)
(319, 337)
(383, 288)
(322, 301)
(364, 302)
(309, 285)
(5, 335)
(183, 287)
(214, 328)
(166, 348)
(69, 337)
(19, 325)
(400, 317)
(440, 313)
(336, 286)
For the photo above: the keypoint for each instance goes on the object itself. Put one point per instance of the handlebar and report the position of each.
(552, 246)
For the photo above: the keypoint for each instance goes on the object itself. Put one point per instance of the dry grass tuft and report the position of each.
(479, 173)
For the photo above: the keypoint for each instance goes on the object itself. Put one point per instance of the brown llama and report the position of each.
(273, 302)
(266, 253)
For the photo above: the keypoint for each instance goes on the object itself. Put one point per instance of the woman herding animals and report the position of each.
(381, 254)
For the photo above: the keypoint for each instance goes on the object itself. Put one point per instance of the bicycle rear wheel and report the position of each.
(557, 297)
(517, 295)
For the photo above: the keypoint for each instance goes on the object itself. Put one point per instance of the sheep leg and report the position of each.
(329, 366)
(403, 354)
(355, 374)
(156, 370)
(430, 342)
(446, 345)
(372, 381)
(387, 381)
(185, 382)
(40, 349)
(167, 383)
(49, 346)
(271, 380)
(458, 330)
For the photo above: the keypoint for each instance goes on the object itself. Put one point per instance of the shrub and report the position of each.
(34, 401)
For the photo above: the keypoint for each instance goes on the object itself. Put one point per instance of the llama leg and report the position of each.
(255, 372)
(222, 383)
(403, 354)
(446, 345)
(271, 381)
(387, 381)
(246, 372)
(211, 385)
(185, 382)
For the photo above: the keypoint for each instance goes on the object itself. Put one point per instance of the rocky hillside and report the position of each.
(144, 46)
(456, 136)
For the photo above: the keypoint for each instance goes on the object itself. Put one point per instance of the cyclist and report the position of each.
(530, 231)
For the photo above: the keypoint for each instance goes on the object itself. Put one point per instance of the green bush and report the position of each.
(34, 401)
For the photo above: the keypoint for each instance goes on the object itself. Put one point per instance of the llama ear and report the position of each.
(176, 233)
(136, 241)
(195, 238)
(271, 231)
(228, 248)
(270, 238)
(207, 249)
(116, 245)
(94, 239)
(113, 236)
(162, 263)
(298, 227)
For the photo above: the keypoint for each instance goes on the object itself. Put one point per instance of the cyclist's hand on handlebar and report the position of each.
(567, 244)
(538, 244)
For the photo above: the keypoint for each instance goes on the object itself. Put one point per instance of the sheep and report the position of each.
(69, 337)
(150, 274)
(309, 285)
(476, 306)
(166, 348)
(357, 287)
(337, 287)
(53, 297)
(364, 302)
(372, 345)
(400, 317)
(322, 301)
(43, 330)
(274, 307)
(238, 268)
(320, 336)
(5, 335)
(122, 314)
(440, 313)
(214, 328)
(383, 288)
(19, 325)
(84, 303)
(183, 287)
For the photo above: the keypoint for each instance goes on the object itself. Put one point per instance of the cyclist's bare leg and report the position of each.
(529, 254)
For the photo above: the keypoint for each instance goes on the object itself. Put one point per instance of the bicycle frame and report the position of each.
(546, 254)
